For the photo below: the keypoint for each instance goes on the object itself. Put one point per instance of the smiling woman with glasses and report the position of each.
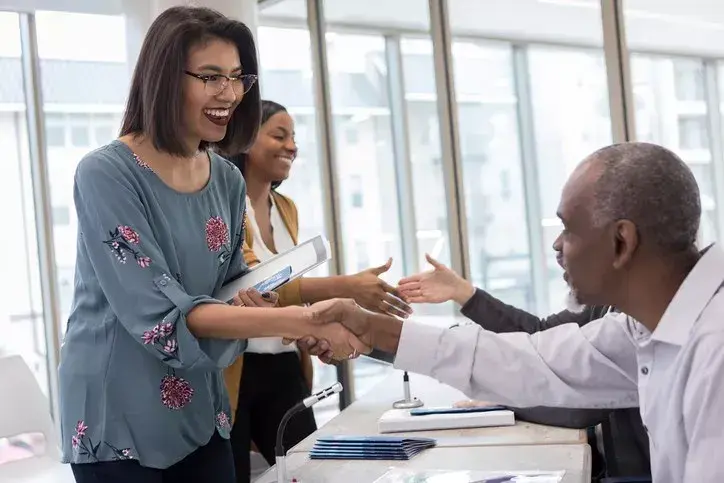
(161, 227)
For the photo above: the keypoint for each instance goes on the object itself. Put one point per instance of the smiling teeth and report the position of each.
(217, 112)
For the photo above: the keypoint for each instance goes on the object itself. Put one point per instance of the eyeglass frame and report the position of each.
(207, 77)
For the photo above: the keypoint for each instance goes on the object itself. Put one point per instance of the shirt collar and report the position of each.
(692, 297)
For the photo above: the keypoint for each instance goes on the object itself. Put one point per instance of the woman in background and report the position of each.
(272, 376)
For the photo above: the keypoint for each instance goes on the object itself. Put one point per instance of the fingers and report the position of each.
(417, 299)
(395, 307)
(382, 268)
(411, 280)
(271, 298)
(409, 286)
(327, 357)
(251, 297)
(390, 289)
(434, 262)
(246, 301)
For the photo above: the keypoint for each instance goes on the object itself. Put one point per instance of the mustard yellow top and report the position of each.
(289, 294)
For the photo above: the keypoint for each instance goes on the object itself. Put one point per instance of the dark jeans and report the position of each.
(270, 385)
(212, 463)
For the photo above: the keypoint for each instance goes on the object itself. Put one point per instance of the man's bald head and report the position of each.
(651, 187)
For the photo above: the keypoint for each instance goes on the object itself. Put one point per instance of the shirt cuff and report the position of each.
(417, 349)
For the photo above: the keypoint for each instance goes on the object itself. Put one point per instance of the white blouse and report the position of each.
(283, 242)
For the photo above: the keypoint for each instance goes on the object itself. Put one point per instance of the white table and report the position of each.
(575, 459)
(523, 447)
(360, 418)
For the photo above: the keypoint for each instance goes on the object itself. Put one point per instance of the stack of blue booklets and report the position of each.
(368, 447)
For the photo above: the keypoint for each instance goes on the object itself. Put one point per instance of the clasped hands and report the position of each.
(337, 329)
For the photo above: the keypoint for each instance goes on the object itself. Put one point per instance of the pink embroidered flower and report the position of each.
(170, 346)
(80, 428)
(217, 233)
(143, 262)
(115, 245)
(127, 453)
(222, 421)
(176, 392)
(129, 234)
(150, 336)
(141, 163)
(165, 328)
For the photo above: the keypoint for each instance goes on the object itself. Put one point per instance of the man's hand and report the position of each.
(376, 295)
(436, 286)
(250, 297)
(372, 329)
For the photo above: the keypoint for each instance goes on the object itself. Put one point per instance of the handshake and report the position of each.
(333, 330)
(344, 328)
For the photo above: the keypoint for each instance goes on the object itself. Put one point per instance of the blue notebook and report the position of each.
(369, 447)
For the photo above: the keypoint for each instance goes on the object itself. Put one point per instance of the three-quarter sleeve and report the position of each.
(132, 270)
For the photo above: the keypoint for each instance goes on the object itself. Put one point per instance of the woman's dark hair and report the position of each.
(155, 102)
(268, 109)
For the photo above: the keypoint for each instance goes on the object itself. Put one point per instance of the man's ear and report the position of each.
(626, 242)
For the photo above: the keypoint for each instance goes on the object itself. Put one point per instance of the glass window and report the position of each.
(79, 77)
(569, 109)
(428, 188)
(487, 118)
(571, 120)
(671, 110)
(285, 60)
(79, 136)
(22, 325)
(365, 163)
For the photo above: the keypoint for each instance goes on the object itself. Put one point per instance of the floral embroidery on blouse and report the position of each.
(176, 392)
(160, 337)
(222, 422)
(85, 447)
(141, 162)
(217, 238)
(120, 242)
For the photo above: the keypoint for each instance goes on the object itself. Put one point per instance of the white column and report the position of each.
(140, 14)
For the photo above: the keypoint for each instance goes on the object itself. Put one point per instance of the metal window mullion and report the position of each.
(529, 162)
(42, 201)
(330, 178)
(402, 156)
(620, 88)
(449, 137)
(714, 124)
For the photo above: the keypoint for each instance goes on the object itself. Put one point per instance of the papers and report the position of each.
(398, 420)
(301, 259)
(405, 475)
(369, 447)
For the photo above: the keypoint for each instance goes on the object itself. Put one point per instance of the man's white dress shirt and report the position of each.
(675, 374)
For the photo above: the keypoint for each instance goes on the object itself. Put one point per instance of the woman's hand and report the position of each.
(250, 297)
(327, 318)
(436, 286)
(373, 293)
(329, 337)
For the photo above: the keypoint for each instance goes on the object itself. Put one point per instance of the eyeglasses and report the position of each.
(215, 84)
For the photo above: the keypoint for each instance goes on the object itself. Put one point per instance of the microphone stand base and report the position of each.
(407, 404)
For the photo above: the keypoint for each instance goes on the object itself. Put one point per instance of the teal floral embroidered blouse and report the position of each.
(134, 382)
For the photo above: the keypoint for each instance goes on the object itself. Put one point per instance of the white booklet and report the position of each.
(280, 269)
(401, 420)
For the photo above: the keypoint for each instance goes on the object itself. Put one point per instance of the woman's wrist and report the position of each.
(464, 292)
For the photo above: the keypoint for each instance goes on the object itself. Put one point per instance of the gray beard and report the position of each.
(572, 303)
